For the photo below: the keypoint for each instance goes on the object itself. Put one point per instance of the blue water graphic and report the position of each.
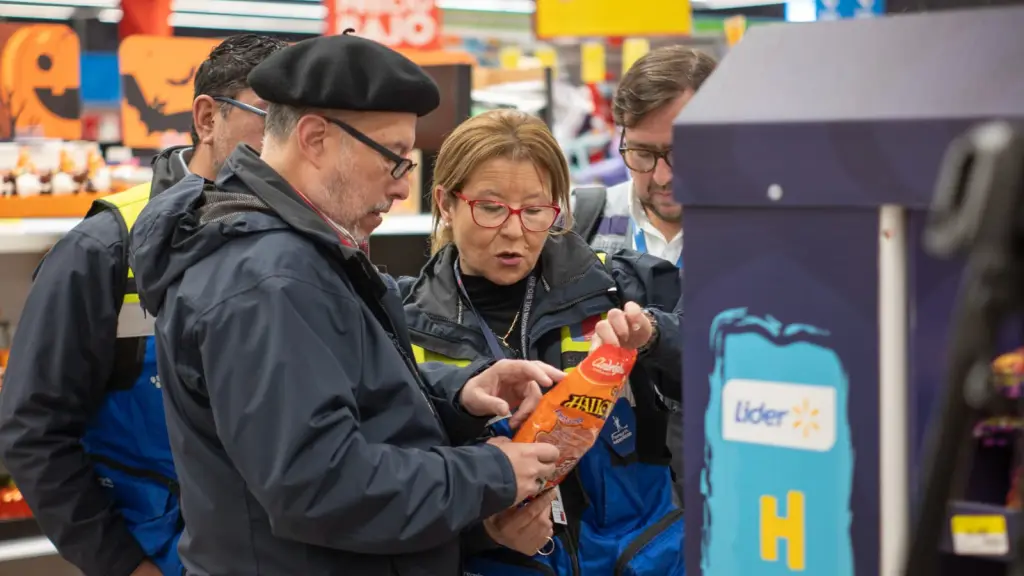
(753, 491)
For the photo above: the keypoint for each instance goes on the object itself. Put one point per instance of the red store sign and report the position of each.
(400, 24)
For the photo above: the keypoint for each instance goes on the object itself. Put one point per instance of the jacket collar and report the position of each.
(246, 173)
(569, 270)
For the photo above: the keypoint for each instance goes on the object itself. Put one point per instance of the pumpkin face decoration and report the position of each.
(39, 81)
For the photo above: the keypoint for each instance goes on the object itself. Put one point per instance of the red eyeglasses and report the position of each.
(494, 214)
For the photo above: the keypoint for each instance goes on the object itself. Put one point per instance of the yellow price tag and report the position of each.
(508, 57)
(993, 524)
(632, 50)
(979, 535)
(592, 65)
(547, 56)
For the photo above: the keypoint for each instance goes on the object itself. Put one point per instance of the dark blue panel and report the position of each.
(957, 64)
(101, 81)
(852, 164)
(796, 293)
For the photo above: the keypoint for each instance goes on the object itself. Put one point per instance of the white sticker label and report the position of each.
(557, 508)
(981, 544)
(796, 416)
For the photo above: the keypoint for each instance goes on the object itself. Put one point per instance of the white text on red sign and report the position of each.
(395, 23)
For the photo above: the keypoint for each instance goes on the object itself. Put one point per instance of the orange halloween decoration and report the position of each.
(39, 82)
(157, 74)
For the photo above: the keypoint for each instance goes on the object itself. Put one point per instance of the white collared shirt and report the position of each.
(657, 244)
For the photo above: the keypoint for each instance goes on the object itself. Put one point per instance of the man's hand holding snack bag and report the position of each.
(515, 384)
(525, 529)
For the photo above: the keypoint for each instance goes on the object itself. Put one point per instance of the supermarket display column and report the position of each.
(815, 324)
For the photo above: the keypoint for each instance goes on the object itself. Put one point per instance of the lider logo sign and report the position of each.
(778, 414)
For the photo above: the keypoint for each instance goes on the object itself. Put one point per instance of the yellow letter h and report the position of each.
(790, 529)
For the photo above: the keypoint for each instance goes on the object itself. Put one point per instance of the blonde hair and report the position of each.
(497, 134)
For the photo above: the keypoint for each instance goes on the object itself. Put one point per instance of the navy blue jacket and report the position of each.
(59, 393)
(305, 438)
(618, 501)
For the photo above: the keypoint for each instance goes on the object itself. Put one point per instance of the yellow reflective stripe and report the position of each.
(133, 320)
(129, 204)
(422, 355)
(602, 256)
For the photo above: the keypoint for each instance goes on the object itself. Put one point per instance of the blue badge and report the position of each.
(620, 429)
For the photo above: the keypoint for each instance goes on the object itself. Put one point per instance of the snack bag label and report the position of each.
(572, 414)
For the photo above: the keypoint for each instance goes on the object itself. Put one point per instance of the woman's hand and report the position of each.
(627, 328)
(526, 530)
(508, 384)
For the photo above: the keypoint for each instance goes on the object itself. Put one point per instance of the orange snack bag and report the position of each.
(573, 412)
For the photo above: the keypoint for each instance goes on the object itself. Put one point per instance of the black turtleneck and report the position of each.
(499, 305)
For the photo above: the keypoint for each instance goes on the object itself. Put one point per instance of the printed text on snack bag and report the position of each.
(592, 405)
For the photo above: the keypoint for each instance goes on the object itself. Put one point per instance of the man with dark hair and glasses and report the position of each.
(81, 415)
(307, 440)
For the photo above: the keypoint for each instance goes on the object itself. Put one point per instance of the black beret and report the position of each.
(344, 72)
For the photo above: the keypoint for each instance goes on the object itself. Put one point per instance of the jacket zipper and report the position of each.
(645, 538)
(172, 485)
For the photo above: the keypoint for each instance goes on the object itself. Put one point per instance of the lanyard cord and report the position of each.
(640, 242)
(524, 315)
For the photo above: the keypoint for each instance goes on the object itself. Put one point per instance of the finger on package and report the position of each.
(498, 440)
(605, 334)
(553, 373)
(547, 452)
(619, 324)
(539, 372)
(527, 406)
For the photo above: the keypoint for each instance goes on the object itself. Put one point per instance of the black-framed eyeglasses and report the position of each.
(642, 159)
(241, 105)
(402, 166)
(494, 214)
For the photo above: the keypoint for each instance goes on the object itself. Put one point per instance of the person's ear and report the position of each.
(204, 109)
(311, 133)
(442, 201)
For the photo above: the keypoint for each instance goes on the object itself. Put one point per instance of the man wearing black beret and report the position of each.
(306, 439)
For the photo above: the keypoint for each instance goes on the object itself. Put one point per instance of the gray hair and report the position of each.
(282, 119)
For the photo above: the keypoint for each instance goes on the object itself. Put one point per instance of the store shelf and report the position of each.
(37, 235)
(981, 530)
(23, 548)
(32, 235)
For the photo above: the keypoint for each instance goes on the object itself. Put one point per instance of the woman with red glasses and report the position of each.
(506, 281)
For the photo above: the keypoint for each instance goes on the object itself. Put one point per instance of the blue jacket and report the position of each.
(81, 415)
(618, 501)
(306, 440)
